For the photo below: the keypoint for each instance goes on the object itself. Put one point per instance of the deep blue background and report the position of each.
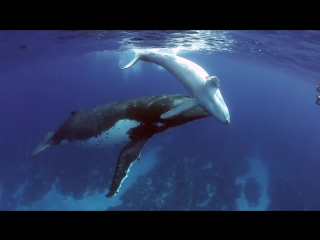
(272, 113)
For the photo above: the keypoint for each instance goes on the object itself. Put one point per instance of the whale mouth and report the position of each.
(227, 122)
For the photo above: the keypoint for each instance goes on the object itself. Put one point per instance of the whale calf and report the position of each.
(201, 86)
(132, 121)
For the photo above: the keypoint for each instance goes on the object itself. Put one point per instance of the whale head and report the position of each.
(220, 109)
(214, 102)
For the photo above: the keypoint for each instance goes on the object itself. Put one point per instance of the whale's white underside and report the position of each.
(116, 135)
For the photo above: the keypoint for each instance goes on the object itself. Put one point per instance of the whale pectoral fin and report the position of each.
(214, 80)
(133, 61)
(128, 155)
(185, 106)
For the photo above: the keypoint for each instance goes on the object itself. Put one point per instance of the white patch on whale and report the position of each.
(125, 176)
(115, 135)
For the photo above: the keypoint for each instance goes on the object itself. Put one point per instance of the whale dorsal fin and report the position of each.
(73, 112)
(215, 80)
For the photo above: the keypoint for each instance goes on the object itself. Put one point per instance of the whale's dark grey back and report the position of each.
(86, 123)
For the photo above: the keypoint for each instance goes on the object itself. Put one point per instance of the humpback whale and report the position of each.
(134, 121)
(203, 88)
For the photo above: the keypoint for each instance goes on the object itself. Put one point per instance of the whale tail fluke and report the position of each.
(43, 145)
(130, 64)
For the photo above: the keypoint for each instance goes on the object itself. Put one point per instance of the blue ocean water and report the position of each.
(267, 158)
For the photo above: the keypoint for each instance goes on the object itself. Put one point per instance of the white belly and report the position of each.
(190, 75)
(114, 136)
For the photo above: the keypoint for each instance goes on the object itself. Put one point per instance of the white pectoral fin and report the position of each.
(214, 80)
(133, 61)
(185, 106)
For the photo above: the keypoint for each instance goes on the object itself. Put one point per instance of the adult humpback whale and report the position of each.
(204, 88)
(135, 121)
